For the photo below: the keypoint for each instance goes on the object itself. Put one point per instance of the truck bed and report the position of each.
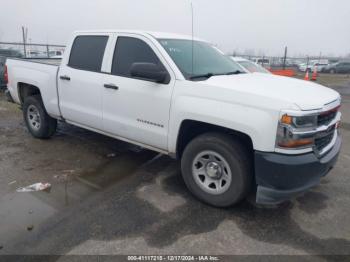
(48, 61)
(40, 73)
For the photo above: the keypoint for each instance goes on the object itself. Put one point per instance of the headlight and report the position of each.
(292, 131)
(299, 121)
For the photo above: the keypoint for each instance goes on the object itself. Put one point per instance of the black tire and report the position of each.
(332, 71)
(47, 125)
(238, 159)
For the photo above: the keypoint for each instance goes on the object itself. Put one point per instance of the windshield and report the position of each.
(252, 67)
(207, 60)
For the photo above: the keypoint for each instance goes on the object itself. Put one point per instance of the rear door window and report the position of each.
(87, 52)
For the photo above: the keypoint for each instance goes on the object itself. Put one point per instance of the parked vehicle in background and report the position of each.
(10, 53)
(4, 53)
(234, 132)
(56, 54)
(320, 65)
(265, 62)
(302, 67)
(249, 66)
(339, 68)
(2, 72)
(35, 54)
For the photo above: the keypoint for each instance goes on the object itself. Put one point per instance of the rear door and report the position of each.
(136, 109)
(80, 81)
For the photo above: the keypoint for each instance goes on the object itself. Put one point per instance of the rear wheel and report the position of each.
(217, 169)
(332, 71)
(38, 122)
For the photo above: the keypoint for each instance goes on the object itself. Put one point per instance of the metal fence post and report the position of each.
(24, 43)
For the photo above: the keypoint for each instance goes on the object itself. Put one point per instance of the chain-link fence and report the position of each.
(288, 62)
(31, 50)
(50, 53)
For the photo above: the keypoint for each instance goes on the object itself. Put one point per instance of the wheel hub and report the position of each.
(33, 116)
(213, 170)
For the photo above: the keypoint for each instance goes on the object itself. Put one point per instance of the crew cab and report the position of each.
(234, 132)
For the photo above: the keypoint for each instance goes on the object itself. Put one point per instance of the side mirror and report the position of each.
(150, 71)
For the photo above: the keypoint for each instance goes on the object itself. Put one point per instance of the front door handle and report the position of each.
(111, 86)
(65, 78)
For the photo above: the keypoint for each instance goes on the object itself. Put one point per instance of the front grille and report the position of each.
(326, 118)
(324, 138)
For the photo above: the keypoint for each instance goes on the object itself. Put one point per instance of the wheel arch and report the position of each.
(25, 90)
(189, 129)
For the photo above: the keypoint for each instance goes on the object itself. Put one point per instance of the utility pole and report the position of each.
(47, 46)
(285, 58)
(24, 36)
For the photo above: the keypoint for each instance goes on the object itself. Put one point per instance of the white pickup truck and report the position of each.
(234, 132)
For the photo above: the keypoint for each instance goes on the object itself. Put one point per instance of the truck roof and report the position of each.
(157, 35)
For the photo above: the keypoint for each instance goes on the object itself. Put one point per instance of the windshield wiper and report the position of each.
(234, 72)
(207, 75)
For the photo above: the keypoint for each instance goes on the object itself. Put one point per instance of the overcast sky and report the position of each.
(306, 27)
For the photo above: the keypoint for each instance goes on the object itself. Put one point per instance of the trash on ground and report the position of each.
(30, 228)
(12, 182)
(35, 187)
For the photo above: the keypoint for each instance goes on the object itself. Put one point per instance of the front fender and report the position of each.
(259, 124)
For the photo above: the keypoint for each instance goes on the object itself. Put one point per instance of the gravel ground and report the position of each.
(109, 197)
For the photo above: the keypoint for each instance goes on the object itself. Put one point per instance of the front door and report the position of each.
(136, 109)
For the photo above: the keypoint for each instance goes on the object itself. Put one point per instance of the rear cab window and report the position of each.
(87, 52)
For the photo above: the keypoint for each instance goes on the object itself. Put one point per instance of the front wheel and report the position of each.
(217, 169)
(38, 122)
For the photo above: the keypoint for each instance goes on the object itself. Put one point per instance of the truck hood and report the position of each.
(306, 95)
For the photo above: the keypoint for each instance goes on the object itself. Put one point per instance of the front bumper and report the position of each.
(281, 177)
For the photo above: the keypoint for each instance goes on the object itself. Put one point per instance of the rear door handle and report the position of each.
(65, 78)
(111, 86)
